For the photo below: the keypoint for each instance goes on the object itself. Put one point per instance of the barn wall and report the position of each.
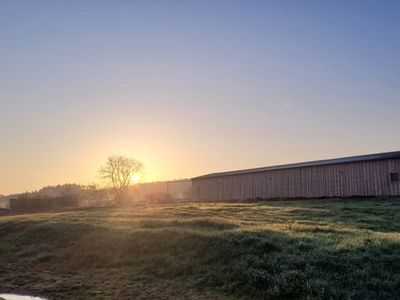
(371, 178)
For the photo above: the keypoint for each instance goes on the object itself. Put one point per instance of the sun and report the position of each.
(135, 178)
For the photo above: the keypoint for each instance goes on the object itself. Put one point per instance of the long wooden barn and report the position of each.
(366, 175)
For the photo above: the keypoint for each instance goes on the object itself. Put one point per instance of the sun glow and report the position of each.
(135, 178)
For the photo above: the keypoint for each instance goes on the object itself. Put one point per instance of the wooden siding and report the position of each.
(370, 178)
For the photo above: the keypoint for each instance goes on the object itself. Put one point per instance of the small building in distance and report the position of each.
(4, 202)
(366, 175)
(161, 191)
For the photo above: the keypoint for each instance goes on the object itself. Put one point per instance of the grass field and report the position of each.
(318, 249)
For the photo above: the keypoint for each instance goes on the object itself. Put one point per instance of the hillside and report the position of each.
(301, 249)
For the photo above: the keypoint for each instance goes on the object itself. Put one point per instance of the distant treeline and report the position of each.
(74, 195)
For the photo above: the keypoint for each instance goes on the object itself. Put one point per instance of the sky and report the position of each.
(192, 87)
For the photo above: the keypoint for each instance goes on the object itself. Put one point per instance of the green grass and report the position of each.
(315, 249)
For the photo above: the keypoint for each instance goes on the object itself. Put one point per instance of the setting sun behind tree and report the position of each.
(120, 171)
(135, 178)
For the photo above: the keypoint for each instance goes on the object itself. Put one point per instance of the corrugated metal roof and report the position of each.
(351, 159)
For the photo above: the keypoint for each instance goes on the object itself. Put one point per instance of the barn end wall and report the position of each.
(370, 178)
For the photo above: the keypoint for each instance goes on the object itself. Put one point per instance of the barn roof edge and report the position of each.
(315, 163)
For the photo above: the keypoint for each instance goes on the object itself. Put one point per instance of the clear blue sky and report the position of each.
(191, 87)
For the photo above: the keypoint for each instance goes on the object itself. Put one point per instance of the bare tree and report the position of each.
(118, 171)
